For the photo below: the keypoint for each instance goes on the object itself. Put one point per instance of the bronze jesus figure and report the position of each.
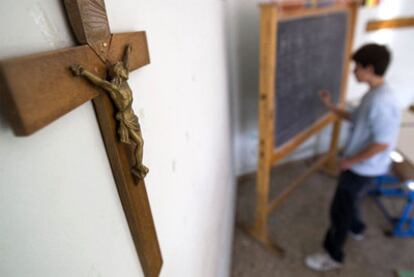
(117, 87)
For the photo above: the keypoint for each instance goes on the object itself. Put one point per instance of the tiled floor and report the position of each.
(299, 224)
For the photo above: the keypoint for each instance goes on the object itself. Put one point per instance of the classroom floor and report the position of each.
(299, 225)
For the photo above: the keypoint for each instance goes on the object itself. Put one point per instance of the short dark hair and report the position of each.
(378, 56)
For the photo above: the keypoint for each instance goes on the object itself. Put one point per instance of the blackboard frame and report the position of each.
(268, 156)
(269, 68)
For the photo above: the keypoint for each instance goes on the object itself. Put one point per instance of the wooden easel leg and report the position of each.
(259, 231)
(268, 31)
(263, 239)
(331, 166)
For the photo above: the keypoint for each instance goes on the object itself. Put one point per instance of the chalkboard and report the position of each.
(309, 57)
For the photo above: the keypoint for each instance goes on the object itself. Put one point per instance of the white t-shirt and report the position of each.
(376, 120)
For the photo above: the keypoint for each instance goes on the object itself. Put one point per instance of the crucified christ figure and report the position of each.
(117, 87)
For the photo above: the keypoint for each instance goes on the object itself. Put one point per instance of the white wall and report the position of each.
(399, 41)
(244, 51)
(59, 209)
(405, 141)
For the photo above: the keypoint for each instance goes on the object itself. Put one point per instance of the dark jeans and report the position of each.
(344, 213)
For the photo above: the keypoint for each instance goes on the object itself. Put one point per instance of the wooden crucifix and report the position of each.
(37, 89)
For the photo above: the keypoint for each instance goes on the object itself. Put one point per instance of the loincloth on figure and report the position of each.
(128, 122)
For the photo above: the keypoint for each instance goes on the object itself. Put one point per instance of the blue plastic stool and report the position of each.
(402, 226)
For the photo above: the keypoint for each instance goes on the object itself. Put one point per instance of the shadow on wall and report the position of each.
(4, 123)
(248, 68)
(244, 64)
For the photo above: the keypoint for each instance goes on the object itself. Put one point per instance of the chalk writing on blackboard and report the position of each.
(310, 55)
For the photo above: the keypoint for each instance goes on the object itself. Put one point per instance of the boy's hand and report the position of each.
(345, 164)
(326, 98)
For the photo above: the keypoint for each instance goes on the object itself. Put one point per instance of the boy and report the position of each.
(375, 128)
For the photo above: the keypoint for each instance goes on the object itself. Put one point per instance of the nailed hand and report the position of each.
(76, 69)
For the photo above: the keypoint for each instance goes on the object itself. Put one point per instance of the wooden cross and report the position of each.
(37, 89)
